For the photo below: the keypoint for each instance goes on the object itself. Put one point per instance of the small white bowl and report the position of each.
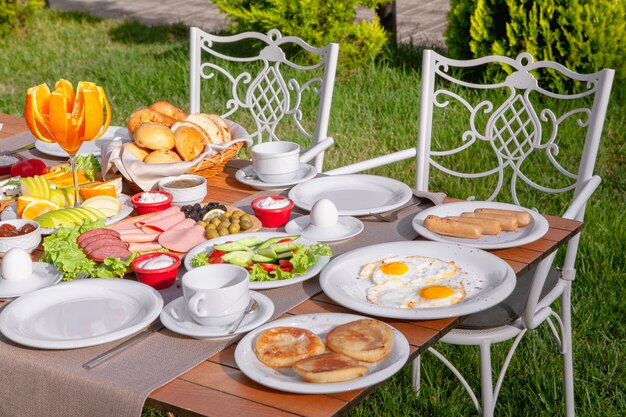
(28, 242)
(186, 195)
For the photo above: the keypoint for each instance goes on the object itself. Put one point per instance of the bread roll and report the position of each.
(148, 115)
(205, 136)
(222, 123)
(154, 136)
(329, 367)
(169, 109)
(509, 223)
(162, 156)
(138, 151)
(281, 347)
(365, 340)
(449, 227)
(488, 226)
(214, 131)
(189, 142)
(523, 217)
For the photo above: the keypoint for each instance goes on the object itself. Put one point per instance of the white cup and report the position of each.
(216, 295)
(276, 162)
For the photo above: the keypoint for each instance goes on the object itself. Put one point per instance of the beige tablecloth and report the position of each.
(52, 383)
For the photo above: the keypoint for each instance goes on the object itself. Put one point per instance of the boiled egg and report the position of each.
(16, 264)
(324, 213)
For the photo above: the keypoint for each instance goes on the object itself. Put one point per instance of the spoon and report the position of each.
(249, 309)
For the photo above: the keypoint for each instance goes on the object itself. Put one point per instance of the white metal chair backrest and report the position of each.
(264, 90)
(516, 127)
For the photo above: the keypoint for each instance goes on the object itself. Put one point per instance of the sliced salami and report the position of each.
(103, 243)
(99, 255)
(95, 233)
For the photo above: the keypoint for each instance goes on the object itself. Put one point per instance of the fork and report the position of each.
(82, 275)
(393, 215)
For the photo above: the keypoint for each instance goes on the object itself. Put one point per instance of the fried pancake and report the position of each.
(329, 367)
(364, 340)
(281, 347)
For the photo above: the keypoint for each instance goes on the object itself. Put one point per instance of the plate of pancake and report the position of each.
(322, 353)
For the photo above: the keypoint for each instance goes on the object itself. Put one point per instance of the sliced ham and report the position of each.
(135, 229)
(182, 240)
(139, 237)
(144, 247)
(158, 215)
(185, 224)
(164, 223)
(124, 225)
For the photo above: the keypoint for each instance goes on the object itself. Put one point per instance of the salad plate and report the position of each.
(44, 275)
(10, 213)
(535, 230)
(247, 176)
(285, 379)
(486, 279)
(353, 195)
(175, 316)
(80, 313)
(207, 247)
(88, 147)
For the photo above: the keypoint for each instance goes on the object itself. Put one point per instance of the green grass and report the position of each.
(375, 110)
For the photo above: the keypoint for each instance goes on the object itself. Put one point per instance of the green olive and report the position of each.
(223, 218)
(210, 227)
(228, 214)
(223, 231)
(235, 220)
(234, 228)
(245, 217)
(225, 223)
(245, 225)
(216, 221)
(201, 223)
(212, 234)
(237, 213)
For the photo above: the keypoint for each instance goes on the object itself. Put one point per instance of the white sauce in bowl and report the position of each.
(270, 203)
(159, 262)
(149, 198)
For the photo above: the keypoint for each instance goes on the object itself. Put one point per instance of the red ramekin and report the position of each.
(272, 217)
(145, 208)
(156, 278)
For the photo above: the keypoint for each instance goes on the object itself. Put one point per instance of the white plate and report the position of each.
(535, 230)
(10, 213)
(44, 275)
(340, 280)
(285, 379)
(264, 285)
(346, 227)
(87, 148)
(353, 195)
(80, 313)
(305, 173)
(176, 317)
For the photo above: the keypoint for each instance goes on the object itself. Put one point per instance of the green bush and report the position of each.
(585, 36)
(13, 13)
(318, 22)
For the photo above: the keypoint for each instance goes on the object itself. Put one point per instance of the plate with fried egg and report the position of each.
(417, 280)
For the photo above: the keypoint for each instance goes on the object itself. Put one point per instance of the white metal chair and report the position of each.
(517, 130)
(264, 86)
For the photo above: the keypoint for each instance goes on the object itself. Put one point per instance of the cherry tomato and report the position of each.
(267, 267)
(216, 260)
(285, 265)
(217, 254)
(28, 168)
(287, 239)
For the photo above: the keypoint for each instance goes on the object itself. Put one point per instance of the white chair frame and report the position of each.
(269, 96)
(514, 132)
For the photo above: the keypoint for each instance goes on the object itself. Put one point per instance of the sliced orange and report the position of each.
(103, 189)
(65, 87)
(94, 114)
(58, 117)
(23, 201)
(35, 209)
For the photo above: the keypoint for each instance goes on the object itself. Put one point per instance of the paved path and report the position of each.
(419, 21)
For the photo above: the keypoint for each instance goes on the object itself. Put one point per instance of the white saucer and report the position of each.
(44, 275)
(305, 173)
(176, 317)
(347, 226)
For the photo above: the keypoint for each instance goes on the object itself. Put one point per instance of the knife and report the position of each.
(153, 328)
(23, 148)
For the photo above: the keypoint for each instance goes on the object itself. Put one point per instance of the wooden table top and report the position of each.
(217, 387)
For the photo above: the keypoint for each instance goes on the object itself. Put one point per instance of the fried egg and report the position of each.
(409, 269)
(398, 294)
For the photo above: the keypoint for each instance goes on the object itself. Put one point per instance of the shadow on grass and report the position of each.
(133, 32)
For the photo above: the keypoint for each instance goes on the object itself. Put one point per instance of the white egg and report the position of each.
(16, 264)
(324, 213)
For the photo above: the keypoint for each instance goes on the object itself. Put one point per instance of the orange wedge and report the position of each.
(35, 209)
(103, 189)
(23, 201)
(65, 87)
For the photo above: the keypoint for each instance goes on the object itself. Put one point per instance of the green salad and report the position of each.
(61, 250)
(273, 259)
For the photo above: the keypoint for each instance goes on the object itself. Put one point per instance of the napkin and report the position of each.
(435, 198)
(146, 176)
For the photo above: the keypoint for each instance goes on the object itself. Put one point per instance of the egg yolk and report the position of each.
(394, 268)
(435, 292)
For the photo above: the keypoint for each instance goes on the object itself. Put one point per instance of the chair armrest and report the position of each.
(316, 149)
(583, 196)
(374, 162)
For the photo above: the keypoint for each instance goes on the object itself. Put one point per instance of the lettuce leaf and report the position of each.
(88, 164)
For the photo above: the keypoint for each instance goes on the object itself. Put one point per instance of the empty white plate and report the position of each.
(346, 227)
(44, 275)
(247, 176)
(176, 317)
(87, 148)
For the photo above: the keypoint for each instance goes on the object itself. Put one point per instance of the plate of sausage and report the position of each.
(481, 224)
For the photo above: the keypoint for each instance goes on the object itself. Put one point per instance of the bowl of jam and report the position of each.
(24, 234)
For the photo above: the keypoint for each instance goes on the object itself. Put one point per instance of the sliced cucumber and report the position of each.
(232, 247)
(262, 259)
(273, 240)
(249, 241)
(284, 247)
(241, 258)
(267, 253)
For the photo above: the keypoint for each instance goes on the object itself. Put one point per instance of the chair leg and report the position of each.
(568, 359)
(415, 374)
(486, 381)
